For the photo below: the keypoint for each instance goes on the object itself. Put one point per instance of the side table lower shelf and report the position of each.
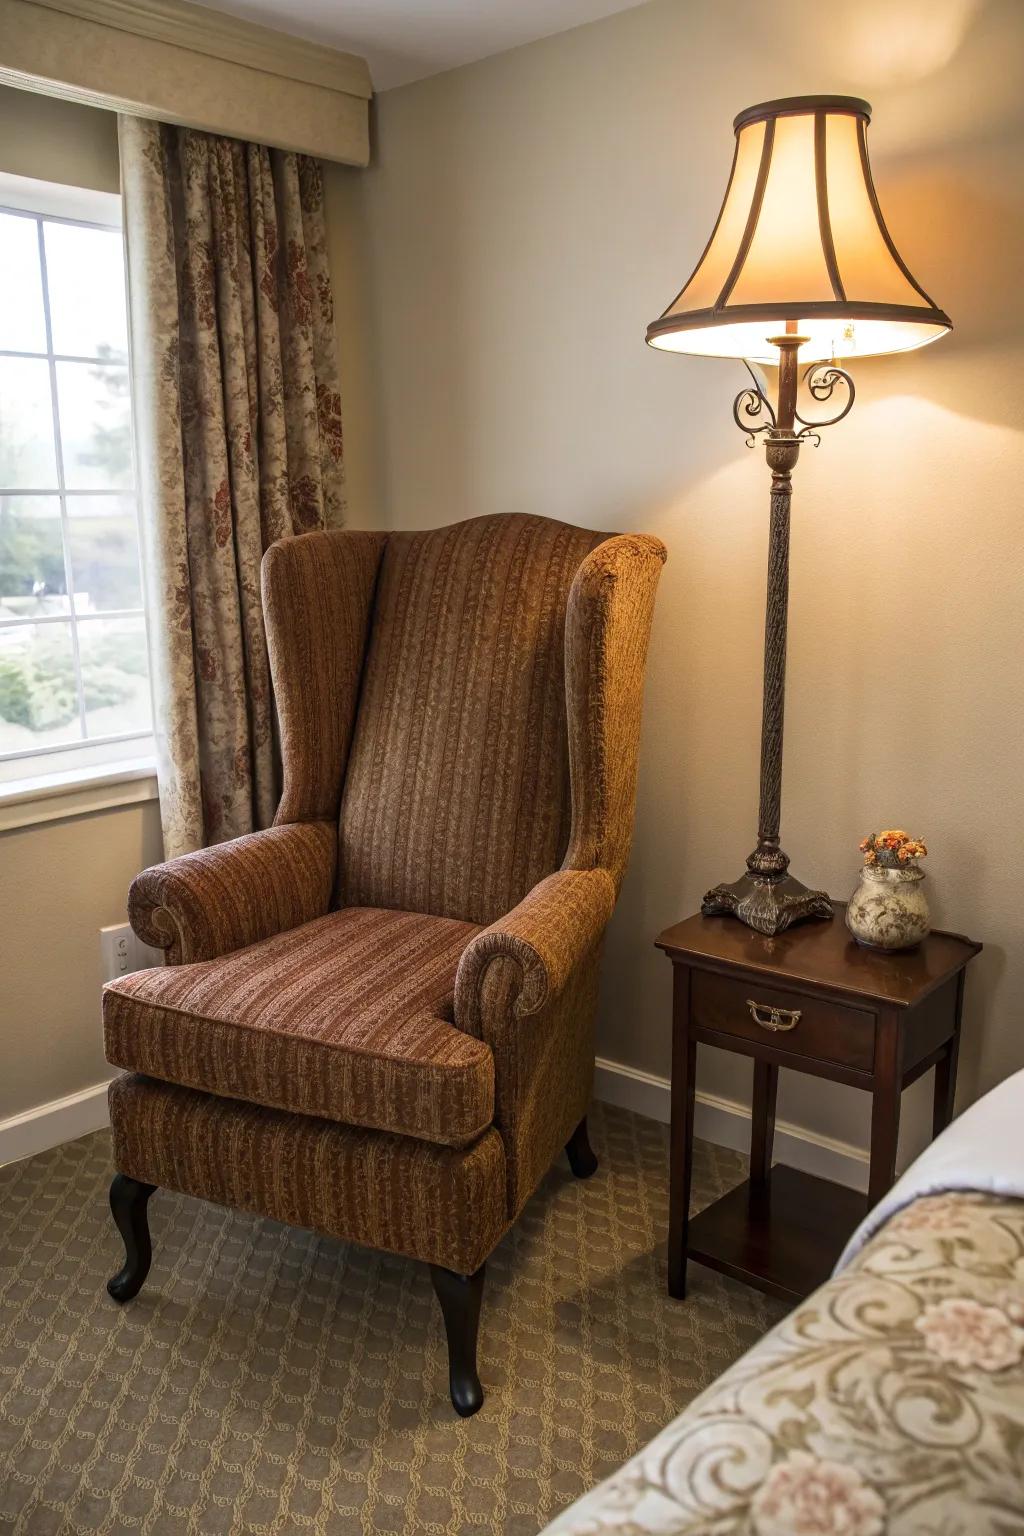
(783, 1236)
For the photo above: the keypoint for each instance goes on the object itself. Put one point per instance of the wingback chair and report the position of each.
(376, 1016)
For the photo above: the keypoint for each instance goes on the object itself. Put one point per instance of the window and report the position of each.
(74, 674)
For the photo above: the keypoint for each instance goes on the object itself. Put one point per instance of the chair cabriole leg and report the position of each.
(580, 1153)
(128, 1200)
(460, 1297)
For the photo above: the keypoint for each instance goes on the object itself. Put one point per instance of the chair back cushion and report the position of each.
(456, 797)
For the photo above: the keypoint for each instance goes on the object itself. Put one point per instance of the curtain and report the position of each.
(238, 440)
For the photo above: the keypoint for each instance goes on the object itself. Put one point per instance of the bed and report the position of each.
(891, 1402)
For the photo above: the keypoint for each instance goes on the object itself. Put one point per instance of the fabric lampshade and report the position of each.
(800, 238)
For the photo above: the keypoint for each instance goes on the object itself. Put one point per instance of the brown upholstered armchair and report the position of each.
(376, 1017)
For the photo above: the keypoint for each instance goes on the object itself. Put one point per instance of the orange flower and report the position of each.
(891, 847)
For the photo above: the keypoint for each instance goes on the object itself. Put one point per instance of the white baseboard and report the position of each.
(36, 1130)
(727, 1123)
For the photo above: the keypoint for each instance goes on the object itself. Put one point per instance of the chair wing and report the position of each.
(317, 599)
(608, 626)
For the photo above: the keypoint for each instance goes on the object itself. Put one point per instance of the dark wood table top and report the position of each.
(821, 954)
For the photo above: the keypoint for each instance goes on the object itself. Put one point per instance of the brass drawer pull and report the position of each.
(777, 1019)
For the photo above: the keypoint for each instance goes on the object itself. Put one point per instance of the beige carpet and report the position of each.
(266, 1380)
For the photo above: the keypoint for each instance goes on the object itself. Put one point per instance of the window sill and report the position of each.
(80, 792)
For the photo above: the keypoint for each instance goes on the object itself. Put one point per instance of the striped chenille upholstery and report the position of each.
(221, 898)
(347, 1018)
(440, 1204)
(457, 797)
(377, 1019)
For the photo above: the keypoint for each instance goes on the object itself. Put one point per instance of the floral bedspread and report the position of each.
(890, 1403)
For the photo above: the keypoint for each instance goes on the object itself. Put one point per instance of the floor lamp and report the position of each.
(800, 270)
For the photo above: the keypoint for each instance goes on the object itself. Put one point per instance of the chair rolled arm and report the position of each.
(552, 929)
(207, 903)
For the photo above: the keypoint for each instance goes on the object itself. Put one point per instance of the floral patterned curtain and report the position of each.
(238, 431)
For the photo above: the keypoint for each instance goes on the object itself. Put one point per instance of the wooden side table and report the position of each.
(813, 1000)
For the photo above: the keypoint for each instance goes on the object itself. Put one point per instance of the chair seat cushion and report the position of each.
(348, 1018)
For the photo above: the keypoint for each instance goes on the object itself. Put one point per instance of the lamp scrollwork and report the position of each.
(750, 404)
(822, 380)
(754, 414)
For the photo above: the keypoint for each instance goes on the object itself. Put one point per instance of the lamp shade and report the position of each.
(800, 238)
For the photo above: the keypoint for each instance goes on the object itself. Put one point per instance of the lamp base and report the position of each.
(769, 906)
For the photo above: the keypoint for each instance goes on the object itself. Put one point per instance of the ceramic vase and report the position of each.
(889, 909)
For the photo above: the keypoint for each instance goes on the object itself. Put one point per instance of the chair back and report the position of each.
(456, 796)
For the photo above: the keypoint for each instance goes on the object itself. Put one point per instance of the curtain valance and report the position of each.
(185, 64)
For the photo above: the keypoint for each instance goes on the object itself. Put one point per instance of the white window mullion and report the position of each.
(33, 619)
(57, 749)
(65, 532)
(18, 490)
(59, 357)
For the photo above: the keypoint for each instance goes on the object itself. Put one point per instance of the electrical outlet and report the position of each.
(122, 952)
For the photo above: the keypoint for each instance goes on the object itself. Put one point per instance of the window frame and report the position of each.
(56, 768)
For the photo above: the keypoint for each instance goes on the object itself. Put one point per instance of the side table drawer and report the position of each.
(798, 1025)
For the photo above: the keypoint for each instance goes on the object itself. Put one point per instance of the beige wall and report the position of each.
(350, 279)
(524, 218)
(58, 141)
(62, 881)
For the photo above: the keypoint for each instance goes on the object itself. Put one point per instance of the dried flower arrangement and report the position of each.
(892, 849)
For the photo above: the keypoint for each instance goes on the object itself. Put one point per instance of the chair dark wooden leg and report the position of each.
(580, 1153)
(128, 1199)
(460, 1297)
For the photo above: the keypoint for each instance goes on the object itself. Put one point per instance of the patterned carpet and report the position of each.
(268, 1381)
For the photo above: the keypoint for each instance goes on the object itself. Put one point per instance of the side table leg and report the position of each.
(945, 1069)
(684, 1088)
(762, 1127)
(945, 1089)
(885, 1107)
